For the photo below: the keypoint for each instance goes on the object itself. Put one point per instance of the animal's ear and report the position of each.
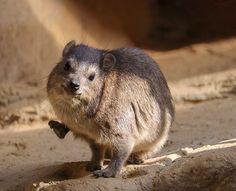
(108, 61)
(68, 47)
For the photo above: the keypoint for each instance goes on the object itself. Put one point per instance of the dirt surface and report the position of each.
(33, 158)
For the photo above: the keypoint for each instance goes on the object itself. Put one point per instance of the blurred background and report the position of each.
(194, 42)
(33, 33)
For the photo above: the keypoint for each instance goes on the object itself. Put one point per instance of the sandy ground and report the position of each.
(30, 152)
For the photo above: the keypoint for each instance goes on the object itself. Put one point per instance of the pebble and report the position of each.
(187, 150)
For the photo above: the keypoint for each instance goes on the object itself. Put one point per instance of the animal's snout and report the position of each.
(74, 85)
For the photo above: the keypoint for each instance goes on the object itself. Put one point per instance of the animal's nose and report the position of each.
(74, 85)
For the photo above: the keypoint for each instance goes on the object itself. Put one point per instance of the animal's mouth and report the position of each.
(77, 94)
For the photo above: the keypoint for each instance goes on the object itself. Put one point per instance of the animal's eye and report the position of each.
(67, 66)
(91, 77)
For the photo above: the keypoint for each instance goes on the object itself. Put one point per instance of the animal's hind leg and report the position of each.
(138, 157)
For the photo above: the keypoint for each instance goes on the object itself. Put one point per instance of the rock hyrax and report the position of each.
(113, 99)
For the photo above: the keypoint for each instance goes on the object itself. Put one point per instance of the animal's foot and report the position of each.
(104, 173)
(133, 159)
(91, 166)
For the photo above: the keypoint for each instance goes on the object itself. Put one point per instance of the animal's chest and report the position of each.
(77, 122)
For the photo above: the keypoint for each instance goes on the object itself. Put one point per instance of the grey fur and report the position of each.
(127, 108)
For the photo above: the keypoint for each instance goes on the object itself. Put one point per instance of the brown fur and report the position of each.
(127, 107)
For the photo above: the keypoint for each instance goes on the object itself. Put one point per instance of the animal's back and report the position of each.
(140, 74)
(133, 61)
(143, 95)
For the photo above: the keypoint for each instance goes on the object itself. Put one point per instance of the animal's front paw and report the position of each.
(104, 173)
(91, 166)
(59, 129)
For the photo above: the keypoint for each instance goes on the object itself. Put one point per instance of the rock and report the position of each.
(186, 150)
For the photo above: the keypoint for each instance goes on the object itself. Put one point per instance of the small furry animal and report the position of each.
(115, 100)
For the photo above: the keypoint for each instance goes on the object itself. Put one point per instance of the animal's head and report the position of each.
(79, 76)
